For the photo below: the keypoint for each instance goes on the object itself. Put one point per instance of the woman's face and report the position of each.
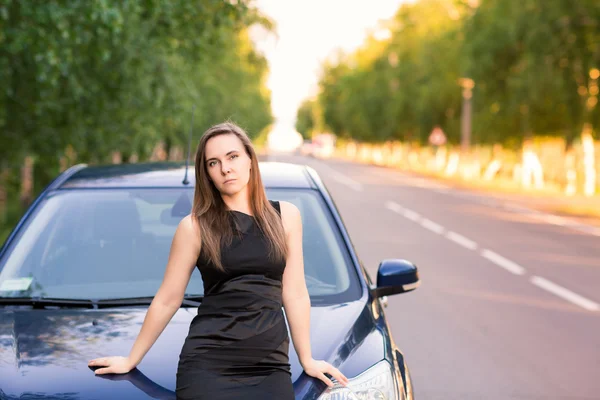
(227, 163)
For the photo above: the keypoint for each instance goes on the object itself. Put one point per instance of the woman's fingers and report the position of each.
(325, 379)
(318, 369)
(102, 371)
(333, 371)
(111, 365)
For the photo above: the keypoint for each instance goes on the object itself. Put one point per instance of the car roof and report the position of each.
(171, 174)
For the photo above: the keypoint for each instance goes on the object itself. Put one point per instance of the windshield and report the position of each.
(114, 243)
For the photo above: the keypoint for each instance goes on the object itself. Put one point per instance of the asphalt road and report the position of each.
(509, 303)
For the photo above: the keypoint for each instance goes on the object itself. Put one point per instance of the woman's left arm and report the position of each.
(296, 300)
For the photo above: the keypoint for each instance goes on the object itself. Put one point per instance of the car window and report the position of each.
(325, 257)
(114, 243)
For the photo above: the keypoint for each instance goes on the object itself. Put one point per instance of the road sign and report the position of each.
(437, 137)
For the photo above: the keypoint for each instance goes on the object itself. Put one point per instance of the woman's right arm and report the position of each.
(183, 255)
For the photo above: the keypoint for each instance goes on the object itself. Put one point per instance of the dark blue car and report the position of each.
(80, 269)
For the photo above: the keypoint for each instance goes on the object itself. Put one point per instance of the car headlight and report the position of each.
(376, 383)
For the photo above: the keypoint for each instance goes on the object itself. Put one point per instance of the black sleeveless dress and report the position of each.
(237, 345)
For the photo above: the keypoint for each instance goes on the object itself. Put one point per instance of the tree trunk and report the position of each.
(4, 172)
(570, 135)
(26, 196)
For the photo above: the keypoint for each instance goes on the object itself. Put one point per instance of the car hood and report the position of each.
(44, 353)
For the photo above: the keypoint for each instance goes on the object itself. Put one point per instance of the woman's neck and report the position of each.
(238, 202)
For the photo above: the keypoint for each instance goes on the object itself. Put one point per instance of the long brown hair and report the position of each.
(210, 209)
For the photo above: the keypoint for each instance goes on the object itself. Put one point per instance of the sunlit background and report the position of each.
(308, 33)
(499, 93)
(461, 135)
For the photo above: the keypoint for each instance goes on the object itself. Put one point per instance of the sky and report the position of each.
(308, 31)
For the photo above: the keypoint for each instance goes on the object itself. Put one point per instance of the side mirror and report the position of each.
(396, 276)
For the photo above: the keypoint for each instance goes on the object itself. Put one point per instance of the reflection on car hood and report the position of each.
(44, 353)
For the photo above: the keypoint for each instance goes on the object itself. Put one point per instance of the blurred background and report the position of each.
(503, 93)
(463, 135)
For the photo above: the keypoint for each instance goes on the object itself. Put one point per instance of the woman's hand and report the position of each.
(112, 365)
(318, 369)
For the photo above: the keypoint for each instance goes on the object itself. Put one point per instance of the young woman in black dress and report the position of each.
(249, 252)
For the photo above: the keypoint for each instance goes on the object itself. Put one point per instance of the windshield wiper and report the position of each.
(43, 302)
(193, 301)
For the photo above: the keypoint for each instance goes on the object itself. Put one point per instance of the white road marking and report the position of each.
(461, 240)
(341, 178)
(412, 215)
(488, 254)
(503, 262)
(565, 293)
(552, 219)
(390, 205)
(423, 183)
(494, 257)
(489, 200)
(432, 226)
(407, 180)
(344, 180)
(513, 207)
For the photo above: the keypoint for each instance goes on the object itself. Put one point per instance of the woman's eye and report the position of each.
(234, 156)
(212, 163)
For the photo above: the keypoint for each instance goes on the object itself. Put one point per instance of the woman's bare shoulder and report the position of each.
(189, 229)
(290, 214)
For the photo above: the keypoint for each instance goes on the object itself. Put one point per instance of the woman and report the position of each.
(249, 252)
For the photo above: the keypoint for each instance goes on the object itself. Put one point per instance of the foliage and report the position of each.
(533, 63)
(82, 79)
(123, 74)
(305, 121)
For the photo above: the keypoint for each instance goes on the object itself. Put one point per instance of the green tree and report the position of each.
(305, 119)
(534, 63)
(106, 75)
